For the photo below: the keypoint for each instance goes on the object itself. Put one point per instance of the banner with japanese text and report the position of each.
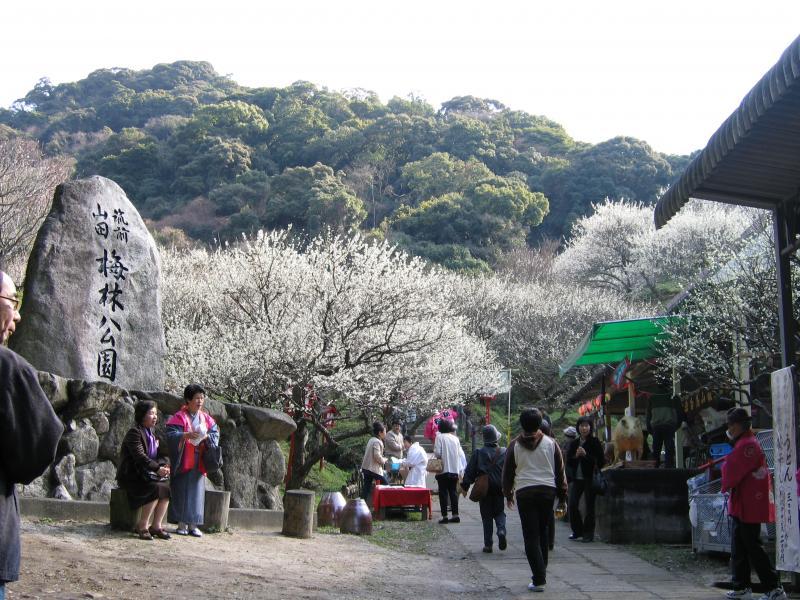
(787, 527)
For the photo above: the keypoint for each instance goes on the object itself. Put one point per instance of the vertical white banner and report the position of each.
(787, 528)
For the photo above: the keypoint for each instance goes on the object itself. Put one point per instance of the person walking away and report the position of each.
(664, 416)
(417, 461)
(534, 473)
(189, 431)
(747, 479)
(489, 460)
(372, 464)
(584, 456)
(29, 432)
(448, 448)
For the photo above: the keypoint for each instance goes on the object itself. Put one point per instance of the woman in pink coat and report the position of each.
(746, 477)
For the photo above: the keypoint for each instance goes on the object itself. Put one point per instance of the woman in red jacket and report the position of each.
(746, 476)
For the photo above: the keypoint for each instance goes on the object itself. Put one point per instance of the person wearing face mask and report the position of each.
(29, 432)
(746, 478)
(189, 431)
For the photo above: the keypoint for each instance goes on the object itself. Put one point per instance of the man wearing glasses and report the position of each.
(29, 432)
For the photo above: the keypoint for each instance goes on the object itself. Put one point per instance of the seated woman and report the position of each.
(143, 472)
(189, 432)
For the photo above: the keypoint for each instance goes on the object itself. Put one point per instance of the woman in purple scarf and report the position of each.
(143, 472)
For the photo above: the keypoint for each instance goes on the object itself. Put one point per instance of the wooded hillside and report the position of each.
(460, 185)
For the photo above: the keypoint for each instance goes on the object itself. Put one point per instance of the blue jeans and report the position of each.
(492, 512)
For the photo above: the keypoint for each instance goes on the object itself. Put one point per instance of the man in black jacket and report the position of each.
(29, 432)
(489, 460)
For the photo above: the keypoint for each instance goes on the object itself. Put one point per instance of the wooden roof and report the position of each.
(753, 159)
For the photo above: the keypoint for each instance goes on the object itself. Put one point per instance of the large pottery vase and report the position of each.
(356, 518)
(330, 509)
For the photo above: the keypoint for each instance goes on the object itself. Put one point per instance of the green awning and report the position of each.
(610, 342)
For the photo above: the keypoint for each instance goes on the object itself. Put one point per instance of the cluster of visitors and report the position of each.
(159, 479)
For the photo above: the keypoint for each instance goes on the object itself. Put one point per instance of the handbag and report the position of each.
(599, 483)
(480, 488)
(155, 477)
(212, 458)
(435, 466)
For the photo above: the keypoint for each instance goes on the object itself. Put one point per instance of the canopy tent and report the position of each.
(610, 342)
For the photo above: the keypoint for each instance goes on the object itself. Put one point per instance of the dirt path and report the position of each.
(88, 560)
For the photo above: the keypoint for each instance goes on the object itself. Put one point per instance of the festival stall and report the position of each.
(641, 504)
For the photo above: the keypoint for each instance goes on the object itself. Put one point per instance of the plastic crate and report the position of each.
(716, 451)
(712, 532)
(765, 439)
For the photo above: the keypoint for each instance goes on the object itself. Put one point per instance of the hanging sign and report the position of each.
(619, 380)
(787, 528)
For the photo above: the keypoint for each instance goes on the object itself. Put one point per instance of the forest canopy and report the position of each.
(460, 185)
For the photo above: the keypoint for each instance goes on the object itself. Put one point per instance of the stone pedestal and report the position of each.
(217, 506)
(122, 517)
(645, 506)
(298, 513)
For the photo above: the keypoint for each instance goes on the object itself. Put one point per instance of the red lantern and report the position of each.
(597, 402)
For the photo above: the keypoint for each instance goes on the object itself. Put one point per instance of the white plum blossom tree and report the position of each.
(534, 326)
(276, 323)
(618, 248)
(728, 333)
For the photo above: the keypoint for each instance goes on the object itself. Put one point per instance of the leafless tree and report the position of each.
(27, 182)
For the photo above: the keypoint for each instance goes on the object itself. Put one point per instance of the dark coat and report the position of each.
(481, 462)
(29, 435)
(594, 458)
(134, 465)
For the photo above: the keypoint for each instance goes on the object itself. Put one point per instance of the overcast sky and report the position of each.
(666, 72)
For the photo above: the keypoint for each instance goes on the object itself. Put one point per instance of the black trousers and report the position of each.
(664, 435)
(581, 526)
(534, 516)
(369, 478)
(492, 511)
(746, 553)
(448, 484)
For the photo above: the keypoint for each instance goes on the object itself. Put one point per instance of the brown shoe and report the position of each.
(160, 534)
(144, 535)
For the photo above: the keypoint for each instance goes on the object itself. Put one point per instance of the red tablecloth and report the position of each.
(387, 495)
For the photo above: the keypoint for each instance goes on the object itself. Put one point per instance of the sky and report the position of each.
(665, 72)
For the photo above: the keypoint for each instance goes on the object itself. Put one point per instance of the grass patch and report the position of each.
(405, 533)
(700, 567)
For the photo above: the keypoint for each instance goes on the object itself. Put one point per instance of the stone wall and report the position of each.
(97, 415)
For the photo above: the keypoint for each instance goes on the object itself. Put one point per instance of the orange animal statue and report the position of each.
(628, 437)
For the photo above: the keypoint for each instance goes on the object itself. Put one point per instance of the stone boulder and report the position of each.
(119, 422)
(268, 424)
(94, 482)
(55, 388)
(81, 441)
(242, 465)
(64, 472)
(92, 306)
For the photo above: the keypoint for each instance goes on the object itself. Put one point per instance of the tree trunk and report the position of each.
(299, 470)
(298, 513)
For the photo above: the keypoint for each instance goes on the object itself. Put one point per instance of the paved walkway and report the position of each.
(576, 571)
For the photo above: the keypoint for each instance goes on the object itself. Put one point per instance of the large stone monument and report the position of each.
(92, 304)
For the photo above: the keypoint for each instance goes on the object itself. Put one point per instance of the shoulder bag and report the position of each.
(480, 489)
(435, 465)
(212, 458)
(599, 483)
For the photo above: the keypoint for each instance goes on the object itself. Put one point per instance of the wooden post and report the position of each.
(216, 510)
(298, 513)
(122, 517)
